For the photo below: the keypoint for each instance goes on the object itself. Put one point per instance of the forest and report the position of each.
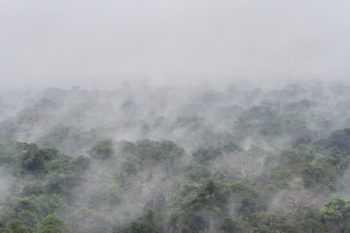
(176, 159)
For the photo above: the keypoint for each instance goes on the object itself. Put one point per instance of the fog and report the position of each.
(103, 43)
(187, 116)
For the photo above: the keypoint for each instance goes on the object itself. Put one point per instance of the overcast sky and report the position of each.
(94, 42)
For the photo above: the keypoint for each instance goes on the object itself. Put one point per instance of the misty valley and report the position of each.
(203, 158)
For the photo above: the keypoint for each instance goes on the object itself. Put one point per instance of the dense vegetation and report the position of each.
(176, 160)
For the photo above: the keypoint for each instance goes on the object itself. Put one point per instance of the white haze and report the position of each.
(94, 43)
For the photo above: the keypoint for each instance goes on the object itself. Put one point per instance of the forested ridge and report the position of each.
(199, 159)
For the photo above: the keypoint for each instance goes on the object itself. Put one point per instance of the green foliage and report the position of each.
(334, 210)
(191, 196)
(85, 220)
(17, 226)
(81, 163)
(198, 172)
(139, 226)
(230, 226)
(319, 175)
(301, 155)
(339, 139)
(158, 151)
(225, 146)
(253, 161)
(102, 150)
(203, 156)
(259, 120)
(32, 209)
(199, 206)
(311, 225)
(347, 228)
(53, 224)
(315, 176)
(61, 183)
(106, 197)
(34, 159)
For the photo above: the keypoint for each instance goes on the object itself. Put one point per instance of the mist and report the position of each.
(101, 44)
(174, 116)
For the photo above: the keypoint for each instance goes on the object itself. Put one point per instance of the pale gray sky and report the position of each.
(95, 42)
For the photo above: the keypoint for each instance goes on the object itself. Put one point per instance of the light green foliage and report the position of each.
(53, 224)
(32, 209)
(334, 210)
(17, 227)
